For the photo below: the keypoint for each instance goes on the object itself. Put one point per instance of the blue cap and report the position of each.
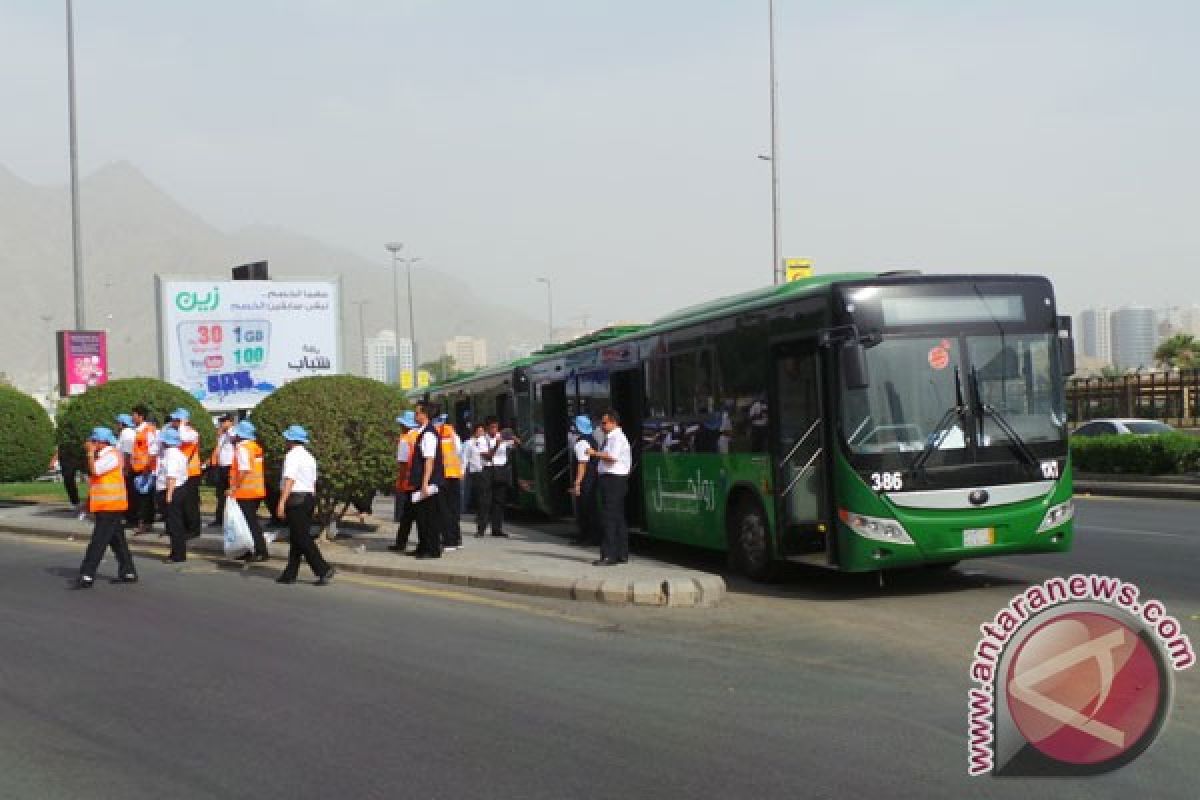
(170, 437)
(583, 424)
(101, 434)
(295, 433)
(244, 430)
(408, 419)
(441, 419)
(181, 414)
(125, 420)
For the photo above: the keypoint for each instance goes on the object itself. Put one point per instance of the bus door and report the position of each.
(556, 466)
(797, 454)
(627, 399)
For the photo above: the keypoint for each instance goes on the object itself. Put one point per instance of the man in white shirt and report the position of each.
(297, 502)
(221, 462)
(126, 435)
(494, 454)
(172, 481)
(427, 475)
(616, 460)
(478, 479)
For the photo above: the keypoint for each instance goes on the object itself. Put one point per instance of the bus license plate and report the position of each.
(979, 537)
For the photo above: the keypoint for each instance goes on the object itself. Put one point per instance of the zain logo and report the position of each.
(192, 301)
(979, 497)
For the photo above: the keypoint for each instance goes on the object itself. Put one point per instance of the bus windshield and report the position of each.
(916, 380)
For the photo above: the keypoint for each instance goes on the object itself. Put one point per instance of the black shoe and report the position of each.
(283, 580)
(501, 534)
(396, 548)
(327, 578)
(425, 556)
(174, 560)
(84, 582)
(605, 562)
(622, 560)
(127, 578)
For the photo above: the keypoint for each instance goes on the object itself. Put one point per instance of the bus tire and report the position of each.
(750, 542)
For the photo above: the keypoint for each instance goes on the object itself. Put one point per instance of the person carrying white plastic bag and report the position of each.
(238, 541)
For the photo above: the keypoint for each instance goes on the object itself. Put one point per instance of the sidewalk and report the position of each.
(528, 562)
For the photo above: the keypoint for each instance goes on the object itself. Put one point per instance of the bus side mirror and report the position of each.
(1066, 346)
(854, 365)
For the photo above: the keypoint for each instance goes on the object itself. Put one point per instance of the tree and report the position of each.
(26, 436)
(1181, 351)
(100, 405)
(352, 434)
(443, 369)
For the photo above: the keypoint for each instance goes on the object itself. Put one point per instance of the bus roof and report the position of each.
(691, 315)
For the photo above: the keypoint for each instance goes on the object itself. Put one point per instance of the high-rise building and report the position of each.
(1134, 332)
(519, 350)
(380, 356)
(468, 352)
(1095, 334)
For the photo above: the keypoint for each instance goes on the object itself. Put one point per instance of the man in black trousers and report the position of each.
(616, 460)
(428, 476)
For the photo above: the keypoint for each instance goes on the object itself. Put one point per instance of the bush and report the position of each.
(1165, 454)
(100, 405)
(26, 437)
(352, 433)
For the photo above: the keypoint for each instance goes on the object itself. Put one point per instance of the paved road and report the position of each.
(211, 683)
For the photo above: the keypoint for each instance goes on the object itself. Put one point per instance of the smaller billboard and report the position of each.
(82, 361)
(797, 268)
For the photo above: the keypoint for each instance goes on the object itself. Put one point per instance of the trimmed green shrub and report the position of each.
(26, 437)
(1164, 454)
(100, 405)
(352, 434)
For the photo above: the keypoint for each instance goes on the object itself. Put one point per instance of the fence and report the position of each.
(1173, 397)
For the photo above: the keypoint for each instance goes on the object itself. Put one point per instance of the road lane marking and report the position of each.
(344, 576)
(1129, 531)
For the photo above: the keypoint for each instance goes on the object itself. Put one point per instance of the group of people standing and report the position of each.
(433, 462)
(144, 471)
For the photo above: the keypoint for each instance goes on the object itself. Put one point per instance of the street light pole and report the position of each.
(362, 334)
(412, 325)
(76, 243)
(549, 310)
(394, 248)
(776, 246)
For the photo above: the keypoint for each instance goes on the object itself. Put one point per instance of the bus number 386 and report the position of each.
(887, 481)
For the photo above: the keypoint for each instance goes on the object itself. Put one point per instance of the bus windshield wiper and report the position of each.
(942, 429)
(994, 413)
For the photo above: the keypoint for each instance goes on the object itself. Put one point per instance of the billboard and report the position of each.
(797, 268)
(231, 343)
(82, 361)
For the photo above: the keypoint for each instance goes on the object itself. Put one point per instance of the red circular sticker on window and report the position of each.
(939, 356)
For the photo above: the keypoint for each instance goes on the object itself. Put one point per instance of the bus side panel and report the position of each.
(687, 493)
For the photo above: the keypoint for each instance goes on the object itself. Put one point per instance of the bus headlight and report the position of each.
(1057, 515)
(878, 528)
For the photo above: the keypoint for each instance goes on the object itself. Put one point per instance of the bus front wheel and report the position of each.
(749, 543)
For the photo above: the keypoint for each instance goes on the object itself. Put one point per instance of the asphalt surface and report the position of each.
(209, 682)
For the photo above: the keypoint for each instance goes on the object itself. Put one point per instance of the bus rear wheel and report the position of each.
(749, 543)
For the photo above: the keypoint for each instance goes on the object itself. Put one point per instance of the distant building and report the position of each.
(1134, 333)
(380, 356)
(519, 350)
(1095, 334)
(468, 352)
(1178, 319)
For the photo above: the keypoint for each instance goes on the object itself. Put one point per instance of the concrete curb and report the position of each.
(705, 591)
(1150, 489)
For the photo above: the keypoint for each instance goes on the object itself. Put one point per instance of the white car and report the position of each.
(1122, 427)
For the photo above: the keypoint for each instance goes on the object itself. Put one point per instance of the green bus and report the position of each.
(855, 421)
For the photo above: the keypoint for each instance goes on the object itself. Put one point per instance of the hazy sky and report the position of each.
(611, 145)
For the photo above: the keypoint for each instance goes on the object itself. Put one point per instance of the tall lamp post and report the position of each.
(394, 248)
(362, 334)
(776, 263)
(412, 325)
(76, 243)
(549, 310)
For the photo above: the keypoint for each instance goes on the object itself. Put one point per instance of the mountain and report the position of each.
(132, 230)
